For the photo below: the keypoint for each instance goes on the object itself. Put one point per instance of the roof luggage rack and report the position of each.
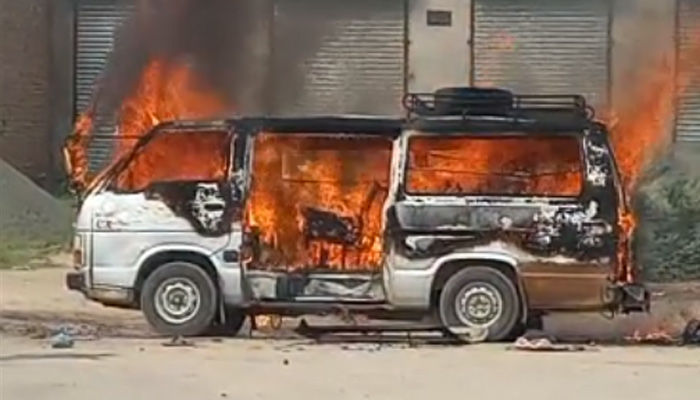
(472, 101)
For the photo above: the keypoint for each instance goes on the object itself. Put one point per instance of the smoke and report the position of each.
(645, 85)
(212, 36)
(226, 43)
(643, 37)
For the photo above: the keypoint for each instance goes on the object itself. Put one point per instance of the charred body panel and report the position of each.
(564, 248)
(207, 206)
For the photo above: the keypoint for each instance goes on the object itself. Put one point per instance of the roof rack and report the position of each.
(488, 102)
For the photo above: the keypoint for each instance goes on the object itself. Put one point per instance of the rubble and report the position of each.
(691, 333)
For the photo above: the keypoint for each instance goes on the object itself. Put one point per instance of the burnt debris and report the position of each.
(329, 227)
(691, 333)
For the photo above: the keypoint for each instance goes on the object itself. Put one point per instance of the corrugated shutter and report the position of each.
(688, 120)
(353, 61)
(96, 25)
(543, 46)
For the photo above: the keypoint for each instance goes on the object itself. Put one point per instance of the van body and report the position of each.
(463, 213)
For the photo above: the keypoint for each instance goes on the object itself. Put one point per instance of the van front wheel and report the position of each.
(482, 298)
(179, 299)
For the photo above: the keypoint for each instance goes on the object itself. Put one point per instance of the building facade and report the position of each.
(321, 57)
(25, 86)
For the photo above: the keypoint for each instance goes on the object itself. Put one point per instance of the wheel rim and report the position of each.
(177, 300)
(479, 305)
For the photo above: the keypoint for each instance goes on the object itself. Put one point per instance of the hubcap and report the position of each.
(177, 300)
(479, 305)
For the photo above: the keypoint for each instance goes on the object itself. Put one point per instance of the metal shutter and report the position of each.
(96, 26)
(688, 119)
(355, 63)
(543, 46)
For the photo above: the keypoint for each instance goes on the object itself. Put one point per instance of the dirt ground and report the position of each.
(115, 357)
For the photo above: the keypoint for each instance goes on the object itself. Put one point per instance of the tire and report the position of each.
(187, 283)
(234, 319)
(471, 100)
(499, 306)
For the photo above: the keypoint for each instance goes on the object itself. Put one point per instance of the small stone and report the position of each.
(62, 340)
(285, 362)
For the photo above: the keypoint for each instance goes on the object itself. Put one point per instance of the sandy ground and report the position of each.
(117, 358)
(121, 369)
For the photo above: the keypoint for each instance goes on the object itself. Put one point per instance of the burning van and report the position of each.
(481, 209)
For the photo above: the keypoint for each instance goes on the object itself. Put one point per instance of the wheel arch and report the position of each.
(446, 267)
(156, 258)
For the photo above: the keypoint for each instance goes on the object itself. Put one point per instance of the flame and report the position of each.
(642, 123)
(268, 322)
(495, 166)
(75, 152)
(334, 174)
(657, 335)
(164, 92)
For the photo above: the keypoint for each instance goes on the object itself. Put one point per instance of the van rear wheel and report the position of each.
(179, 299)
(482, 298)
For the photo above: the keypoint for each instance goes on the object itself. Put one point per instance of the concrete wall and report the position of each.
(24, 86)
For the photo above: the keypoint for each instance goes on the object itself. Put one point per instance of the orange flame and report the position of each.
(642, 123)
(657, 335)
(331, 174)
(164, 92)
(495, 166)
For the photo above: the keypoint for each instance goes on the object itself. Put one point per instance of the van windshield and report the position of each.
(175, 156)
(495, 165)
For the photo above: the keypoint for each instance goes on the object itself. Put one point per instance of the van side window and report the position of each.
(495, 166)
(177, 156)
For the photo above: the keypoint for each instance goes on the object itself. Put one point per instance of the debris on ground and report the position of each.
(540, 341)
(178, 341)
(62, 340)
(691, 333)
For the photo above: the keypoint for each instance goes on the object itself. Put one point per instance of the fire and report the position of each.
(164, 92)
(75, 153)
(345, 176)
(657, 335)
(642, 124)
(495, 166)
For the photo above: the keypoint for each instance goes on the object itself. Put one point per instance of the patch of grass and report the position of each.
(668, 206)
(16, 252)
